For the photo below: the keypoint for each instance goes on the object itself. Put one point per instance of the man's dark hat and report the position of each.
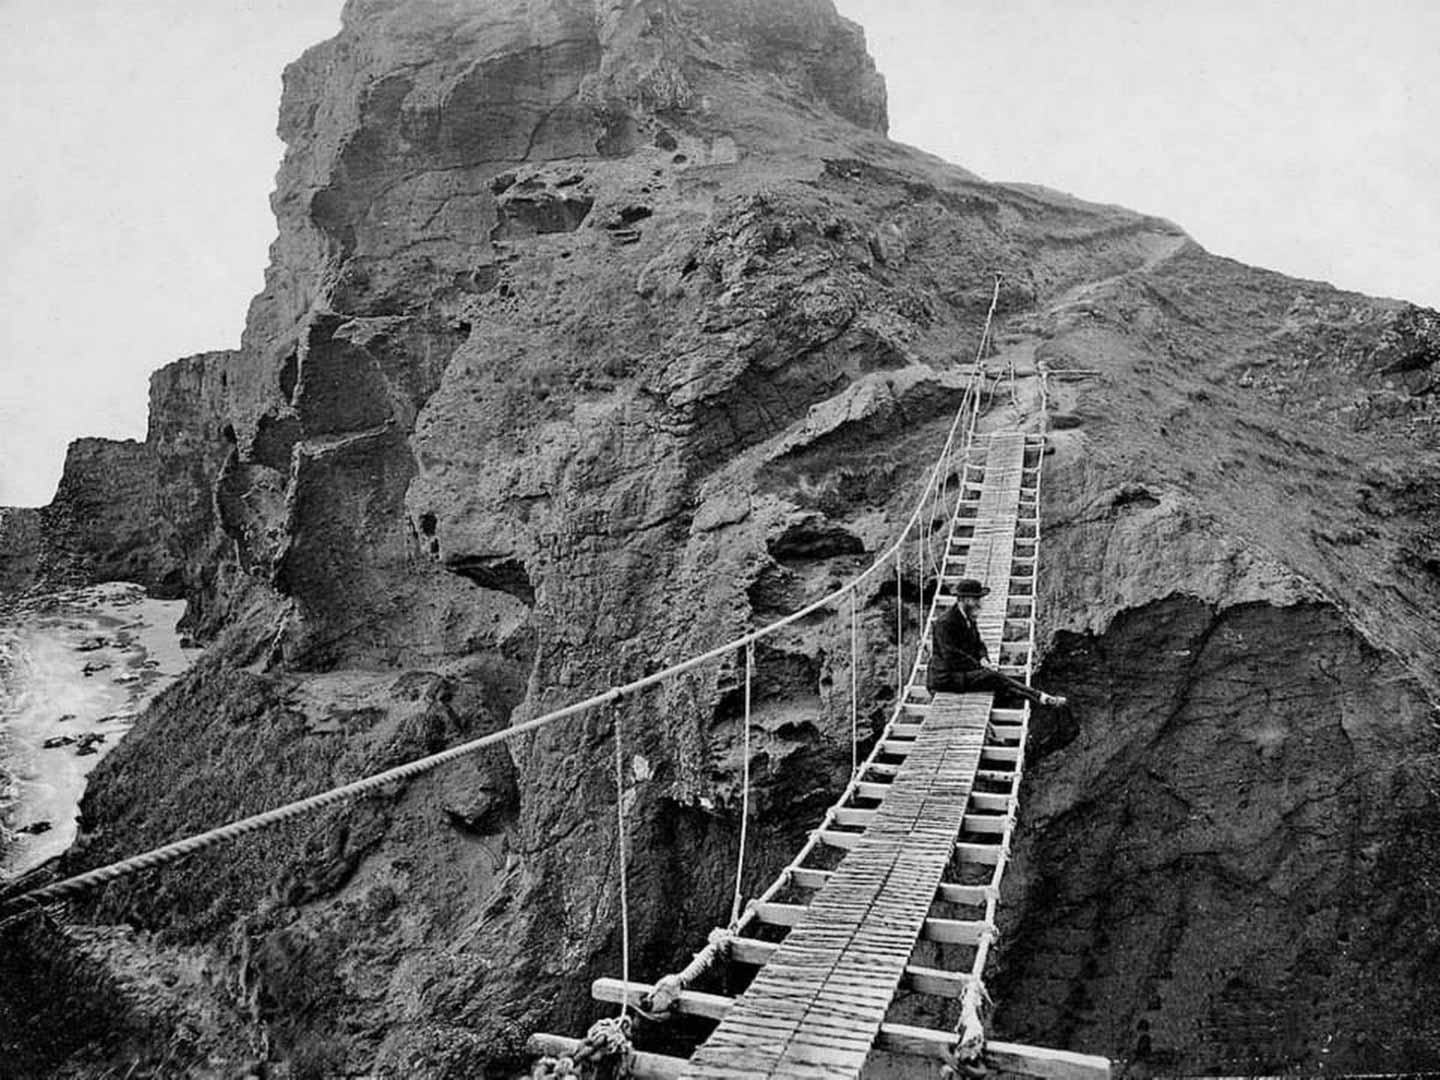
(968, 586)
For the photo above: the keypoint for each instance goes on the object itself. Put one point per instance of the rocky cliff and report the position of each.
(596, 334)
(130, 510)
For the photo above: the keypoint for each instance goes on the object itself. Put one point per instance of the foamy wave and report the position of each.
(75, 669)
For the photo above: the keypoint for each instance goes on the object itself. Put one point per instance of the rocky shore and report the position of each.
(76, 668)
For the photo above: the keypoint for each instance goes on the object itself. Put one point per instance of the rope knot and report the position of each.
(607, 1038)
(604, 1054)
(966, 1060)
(720, 938)
(666, 994)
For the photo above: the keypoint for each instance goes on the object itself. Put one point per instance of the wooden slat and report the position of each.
(947, 931)
(984, 854)
(775, 914)
(927, 980)
(951, 893)
(956, 931)
(999, 1056)
(962, 894)
(986, 823)
(894, 1038)
(922, 979)
(997, 775)
(991, 801)
(806, 878)
(745, 950)
(692, 1002)
(643, 1066)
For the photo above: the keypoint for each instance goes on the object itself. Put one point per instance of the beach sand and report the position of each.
(75, 669)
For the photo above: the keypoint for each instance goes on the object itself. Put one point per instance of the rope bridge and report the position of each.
(921, 832)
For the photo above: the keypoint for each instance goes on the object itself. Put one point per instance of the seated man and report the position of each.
(958, 657)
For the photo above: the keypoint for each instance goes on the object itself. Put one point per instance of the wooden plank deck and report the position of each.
(815, 1009)
(817, 1006)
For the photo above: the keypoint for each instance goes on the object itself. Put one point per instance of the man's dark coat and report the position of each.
(956, 648)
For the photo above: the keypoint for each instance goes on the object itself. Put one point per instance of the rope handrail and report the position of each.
(34, 899)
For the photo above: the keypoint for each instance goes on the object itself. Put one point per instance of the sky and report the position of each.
(139, 153)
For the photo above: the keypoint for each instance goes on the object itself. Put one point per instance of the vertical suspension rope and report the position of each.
(985, 344)
(854, 686)
(920, 598)
(624, 897)
(899, 622)
(942, 491)
(920, 546)
(745, 789)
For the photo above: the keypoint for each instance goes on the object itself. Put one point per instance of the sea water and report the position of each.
(76, 667)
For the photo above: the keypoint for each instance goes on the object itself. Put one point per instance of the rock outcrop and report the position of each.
(596, 334)
(20, 545)
(130, 510)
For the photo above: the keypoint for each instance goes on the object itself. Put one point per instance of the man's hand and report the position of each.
(1053, 700)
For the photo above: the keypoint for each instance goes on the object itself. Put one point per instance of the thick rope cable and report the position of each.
(738, 900)
(962, 429)
(620, 841)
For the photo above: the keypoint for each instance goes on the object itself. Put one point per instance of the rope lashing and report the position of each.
(962, 429)
(666, 994)
(744, 790)
(966, 1059)
(605, 1054)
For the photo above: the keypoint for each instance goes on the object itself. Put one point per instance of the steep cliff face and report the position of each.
(20, 545)
(597, 334)
(130, 510)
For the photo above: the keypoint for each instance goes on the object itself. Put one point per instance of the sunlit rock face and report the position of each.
(595, 335)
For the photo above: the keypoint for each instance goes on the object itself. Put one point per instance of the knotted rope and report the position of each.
(605, 1054)
(666, 994)
(966, 1059)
